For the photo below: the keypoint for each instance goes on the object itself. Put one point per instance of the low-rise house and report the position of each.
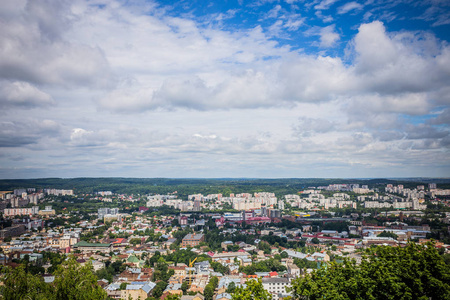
(199, 283)
(192, 240)
(195, 297)
(179, 270)
(322, 257)
(137, 290)
(92, 247)
(276, 286)
(174, 289)
(136, 274)
(293, 270)
(113, 290)
(225, 281)
(223, 296)
(202, 267)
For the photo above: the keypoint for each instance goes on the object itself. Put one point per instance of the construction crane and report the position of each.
(191, 265)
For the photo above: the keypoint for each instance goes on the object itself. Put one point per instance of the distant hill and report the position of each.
(186, 186)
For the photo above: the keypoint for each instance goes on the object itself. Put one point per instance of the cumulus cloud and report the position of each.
(328, 36)
(22, 94)
(309, 126)
(20, 133)
(443, 117)
(175, 90)
(33, 48)
(386, 71)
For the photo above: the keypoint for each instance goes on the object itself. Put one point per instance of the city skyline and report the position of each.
(256, 89)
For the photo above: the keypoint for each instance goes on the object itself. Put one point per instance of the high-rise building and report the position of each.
(107, 211)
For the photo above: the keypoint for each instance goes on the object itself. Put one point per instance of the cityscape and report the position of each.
(162, 246)
(224, 150)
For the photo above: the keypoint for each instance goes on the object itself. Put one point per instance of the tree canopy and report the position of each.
(72, 282)
(412, 272)
(254, 290)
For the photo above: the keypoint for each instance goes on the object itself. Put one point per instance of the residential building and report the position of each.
(276, 286)
(192, 240)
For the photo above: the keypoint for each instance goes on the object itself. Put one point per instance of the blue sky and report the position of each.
(300, 19)
(224, 88)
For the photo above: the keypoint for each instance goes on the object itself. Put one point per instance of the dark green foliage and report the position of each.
(110, 270)
(305, 264)
(231, 287)
(218, 267)
(99, 231)
(210, 287)
(388, 234)
(72, 282)
(267, 265)
(186, 187)
(135, 241)
(253, 290)
(315, 240)
(162, 271)
(338, 226)
(413, 272)
(184, 287)
(159, 289)
(19, 285)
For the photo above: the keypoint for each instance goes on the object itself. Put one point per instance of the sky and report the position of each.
(231, 88)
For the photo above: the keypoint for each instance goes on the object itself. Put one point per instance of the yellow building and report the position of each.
(137, 291)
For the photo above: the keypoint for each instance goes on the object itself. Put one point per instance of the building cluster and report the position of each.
(24, 201)
(108, 214)
(314, 200)
(133, 239)
(356, 188)
(244, 201)
(396, 197)
(173, 201)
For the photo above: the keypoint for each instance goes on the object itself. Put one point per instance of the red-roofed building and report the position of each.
(273, 274)
(220, 222)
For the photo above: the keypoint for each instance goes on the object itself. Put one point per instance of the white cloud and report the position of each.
(22, 94)
(153, 94)
(273, 13)
(32, 49)
(328, 36)
(349, 6)
(325, 4)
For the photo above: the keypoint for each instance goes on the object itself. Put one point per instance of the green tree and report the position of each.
(20, 285)
(72, 282)
(159, 289)
(208, 292)
(231, 287)
(388, 234)
(413, 272)
(253, 290)
(76, 282)
(184, 287)
(135, 241)
(123, 286)
(210, 288)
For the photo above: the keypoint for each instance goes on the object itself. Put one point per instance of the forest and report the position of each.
(185, 186)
